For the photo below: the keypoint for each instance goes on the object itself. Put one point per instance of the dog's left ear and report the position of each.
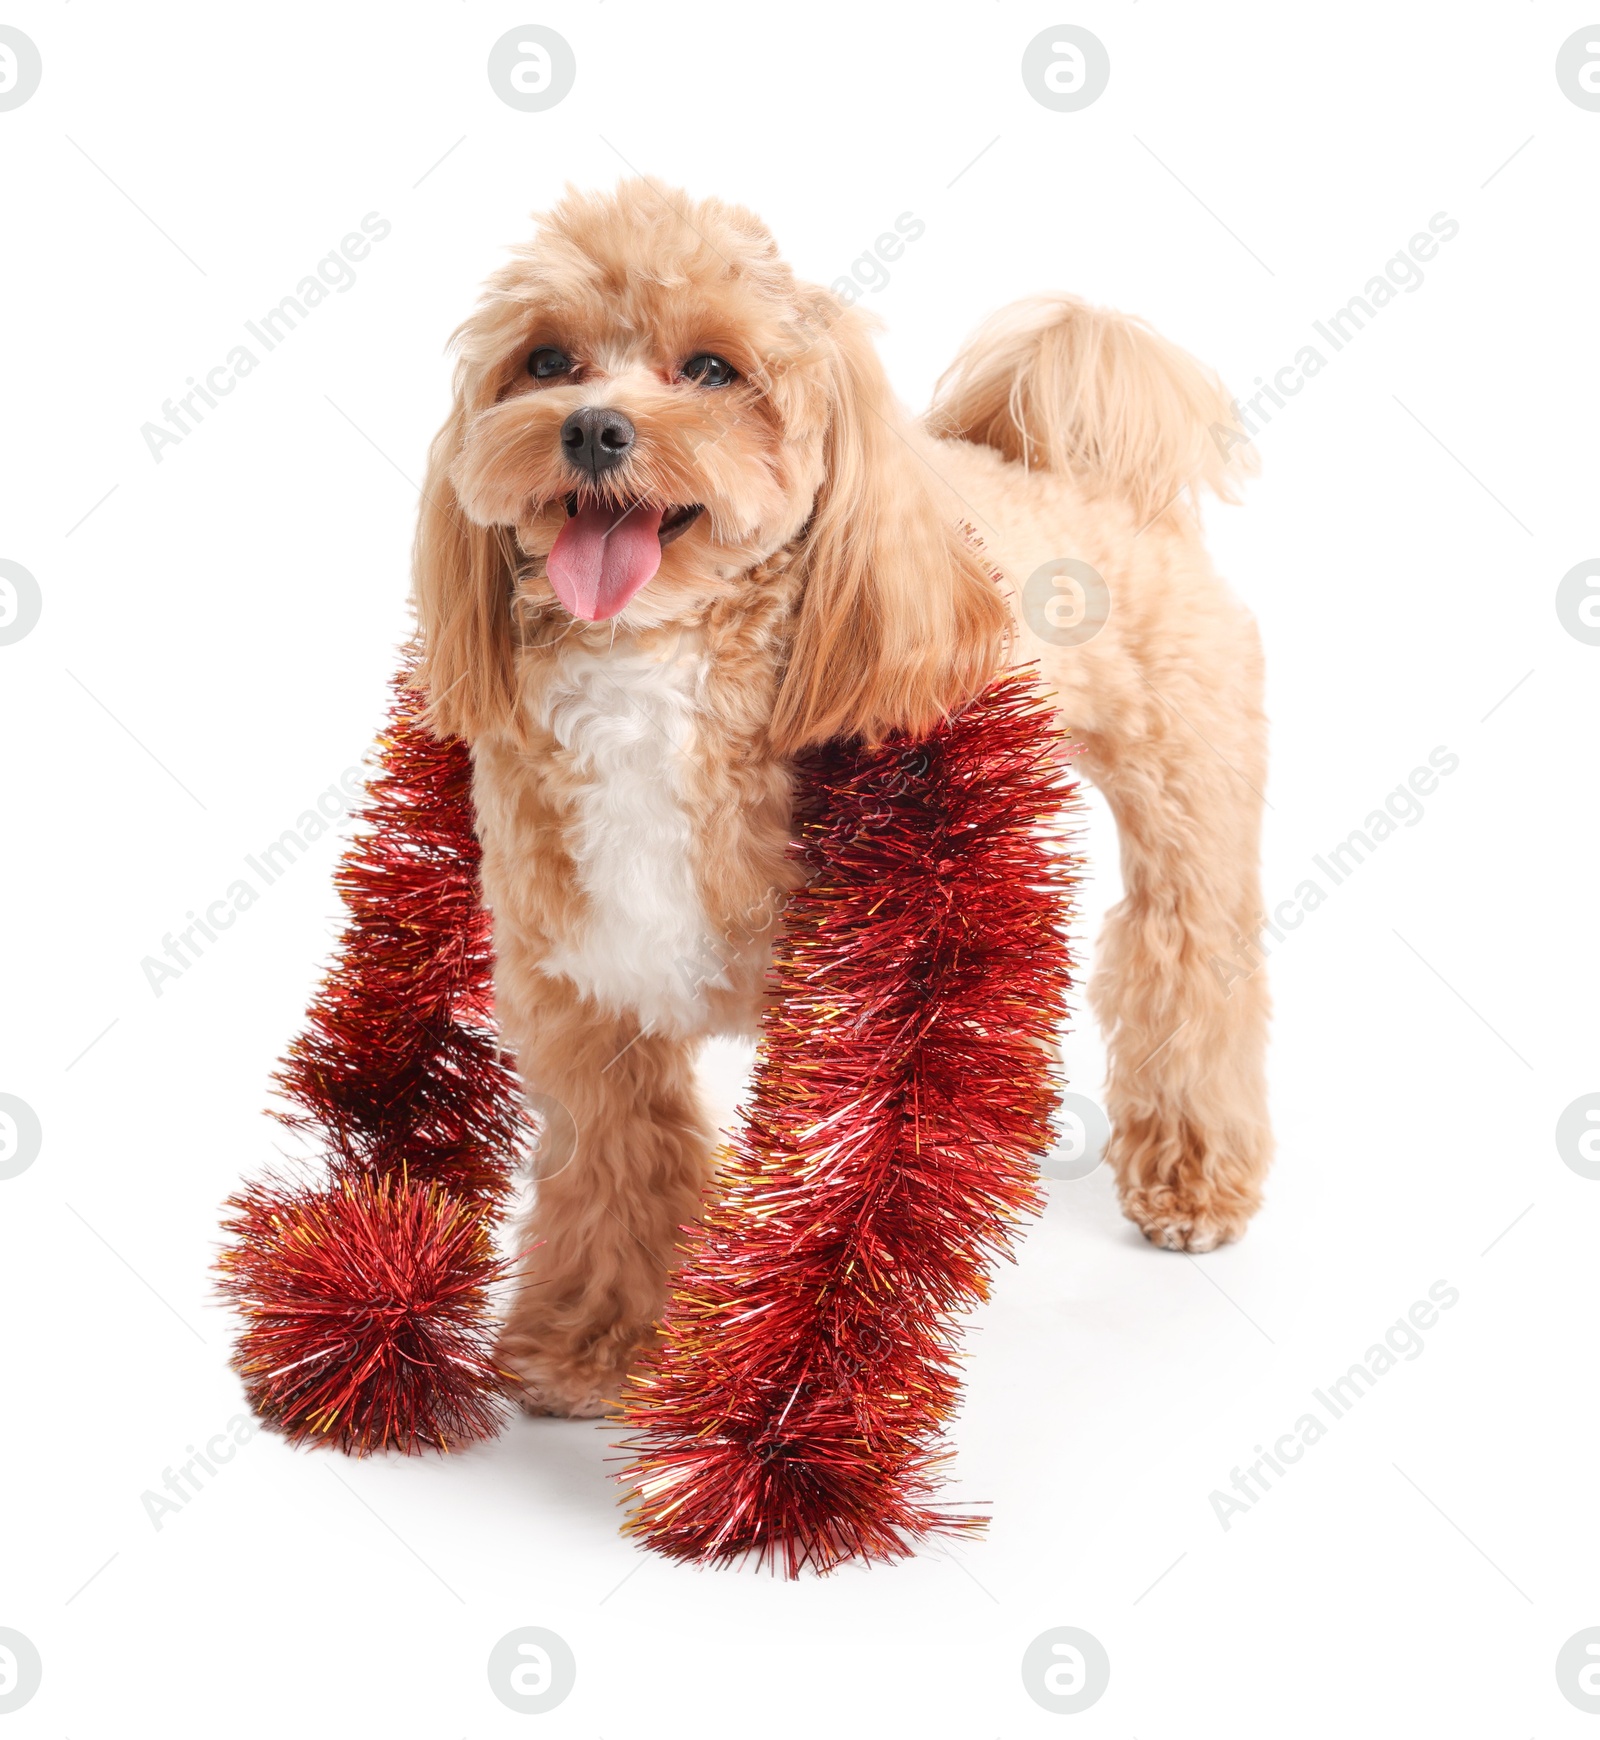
(899, 622)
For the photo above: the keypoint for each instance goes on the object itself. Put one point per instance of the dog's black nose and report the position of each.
(596, 440)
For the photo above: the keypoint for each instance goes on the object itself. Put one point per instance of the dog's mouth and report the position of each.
(607, 551)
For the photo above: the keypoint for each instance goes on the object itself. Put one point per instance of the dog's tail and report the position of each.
(1056, 384)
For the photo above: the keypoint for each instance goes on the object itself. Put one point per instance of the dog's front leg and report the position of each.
(624, 1158)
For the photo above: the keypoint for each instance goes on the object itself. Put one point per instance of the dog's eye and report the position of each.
(547, 363)
(707, 370)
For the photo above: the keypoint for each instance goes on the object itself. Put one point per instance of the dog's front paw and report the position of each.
(542, 1382)
(543, 1400)
(538, 1390)
(1179, 1218)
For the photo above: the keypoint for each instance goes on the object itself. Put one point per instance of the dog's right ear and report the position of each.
(461, 590)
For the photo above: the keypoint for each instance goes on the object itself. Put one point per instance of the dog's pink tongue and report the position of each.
(602, 556)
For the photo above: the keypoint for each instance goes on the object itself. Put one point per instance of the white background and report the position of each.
(236, 608)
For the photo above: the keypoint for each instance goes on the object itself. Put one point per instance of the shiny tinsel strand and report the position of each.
(364, 1302)
(399, 1068)
(808, 1363)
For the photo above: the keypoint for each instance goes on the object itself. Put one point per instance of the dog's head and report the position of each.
(648, 405)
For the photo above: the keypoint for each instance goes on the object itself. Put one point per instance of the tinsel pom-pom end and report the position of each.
(364, 1314)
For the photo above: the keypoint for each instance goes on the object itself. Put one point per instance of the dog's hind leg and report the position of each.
(1178, 985)
(623, 1161)
(1109, 430)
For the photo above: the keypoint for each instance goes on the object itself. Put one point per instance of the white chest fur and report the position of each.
(627, 723)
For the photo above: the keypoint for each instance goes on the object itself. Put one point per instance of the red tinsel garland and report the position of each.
(400, 1067)
(903, 1091)
(365, 1301)
(808, 1361)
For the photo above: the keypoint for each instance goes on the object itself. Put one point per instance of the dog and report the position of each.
(676, 530)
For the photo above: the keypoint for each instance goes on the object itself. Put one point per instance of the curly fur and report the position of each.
(632, 776)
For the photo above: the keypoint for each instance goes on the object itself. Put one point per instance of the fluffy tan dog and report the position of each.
(675, 529)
